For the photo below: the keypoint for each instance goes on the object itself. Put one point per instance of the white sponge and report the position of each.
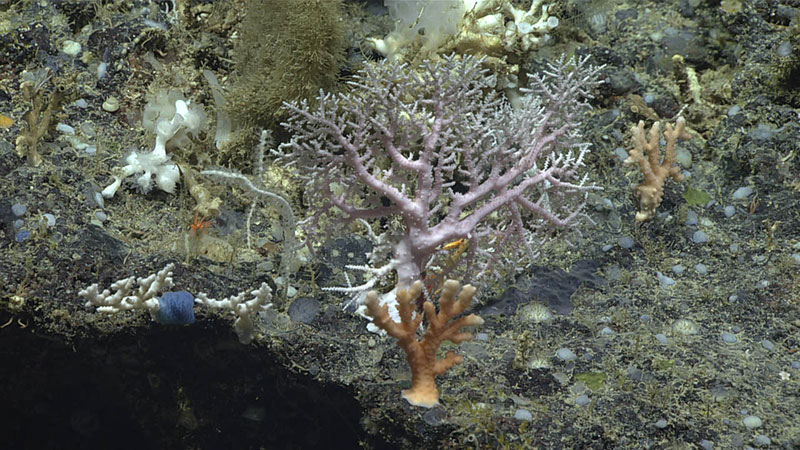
(432, 21)
(172, 132)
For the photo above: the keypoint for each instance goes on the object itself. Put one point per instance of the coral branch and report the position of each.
(421, 354)
(651, 191)
(430, 154)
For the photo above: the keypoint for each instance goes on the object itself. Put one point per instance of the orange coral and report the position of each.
(421, 354)
(651, 191)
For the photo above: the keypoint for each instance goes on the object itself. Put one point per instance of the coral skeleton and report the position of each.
(130, 293)
(441, 326)
(261, 194)
(650, 193)
(141, 293)
(242, 308)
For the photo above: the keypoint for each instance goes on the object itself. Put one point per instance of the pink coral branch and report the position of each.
(433, 157)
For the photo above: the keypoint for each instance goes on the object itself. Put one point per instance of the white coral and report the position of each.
(126, 297)
(243, 309)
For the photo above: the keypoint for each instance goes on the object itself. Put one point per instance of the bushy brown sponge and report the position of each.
(289, 50)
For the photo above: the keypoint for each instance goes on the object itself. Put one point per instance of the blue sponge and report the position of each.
(175, 308)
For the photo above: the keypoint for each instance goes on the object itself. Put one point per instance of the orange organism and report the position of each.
(199, 225)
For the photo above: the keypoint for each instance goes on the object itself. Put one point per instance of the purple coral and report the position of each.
(425, 156)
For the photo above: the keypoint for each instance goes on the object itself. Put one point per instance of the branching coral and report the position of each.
(424, 157)
(40, 114)
(442, 326)
(651, 191)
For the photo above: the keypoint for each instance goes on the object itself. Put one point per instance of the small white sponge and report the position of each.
(170, 132)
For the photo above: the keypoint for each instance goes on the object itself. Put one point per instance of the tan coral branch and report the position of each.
(655, 171)
(421, 354)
